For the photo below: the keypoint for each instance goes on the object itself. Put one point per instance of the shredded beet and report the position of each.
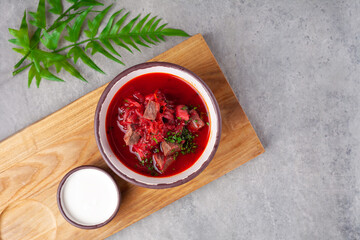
(156, 129)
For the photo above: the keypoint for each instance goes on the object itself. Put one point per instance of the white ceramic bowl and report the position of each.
(90, 218)
(157, 182)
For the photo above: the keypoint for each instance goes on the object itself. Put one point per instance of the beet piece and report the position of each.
(131, 137)
(182, 113)
(161, 163)
(151, 110)
(140, 98)
(195, 122)
(169, 148)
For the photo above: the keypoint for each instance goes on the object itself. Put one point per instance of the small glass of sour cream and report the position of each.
(88, 197)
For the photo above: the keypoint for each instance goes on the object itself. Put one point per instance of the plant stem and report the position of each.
(75, 44)
(22, 60)
(17, 71)
(62, 15)
(67, 15)
(107, 37)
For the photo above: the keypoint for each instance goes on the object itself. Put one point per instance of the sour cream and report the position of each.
(89, 196)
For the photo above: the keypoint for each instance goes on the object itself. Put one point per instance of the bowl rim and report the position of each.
(97, 123)
(60, 206)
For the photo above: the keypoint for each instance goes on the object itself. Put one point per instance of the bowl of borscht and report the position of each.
(157, 125)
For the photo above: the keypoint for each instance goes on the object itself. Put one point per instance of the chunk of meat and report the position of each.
(195, 121)
(182, 113)
(161, 163)
(151, 110)
(169, 148)
(168, 117)
(131, 136)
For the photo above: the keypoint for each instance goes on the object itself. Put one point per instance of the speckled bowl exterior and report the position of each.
(60, 206)
(157, 182)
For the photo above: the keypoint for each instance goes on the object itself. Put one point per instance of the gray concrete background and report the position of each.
(295, 67)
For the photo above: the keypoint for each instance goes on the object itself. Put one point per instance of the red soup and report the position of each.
(157, 125)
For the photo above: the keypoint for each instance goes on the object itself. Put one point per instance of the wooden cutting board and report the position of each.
(34, 160)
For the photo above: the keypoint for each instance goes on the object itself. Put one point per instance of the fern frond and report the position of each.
(74, 30)
(56, 5)
(95, 24)
(119, 32)
(39, 16)
(137, 32)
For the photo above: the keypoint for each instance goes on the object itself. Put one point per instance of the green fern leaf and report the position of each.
(51, 40)
(64, 64)
(147, 26)
(96, 47)
(95, 24)
(34, 41)
(22, 39)
(74, 31)
(85, 3)
(77, 52)
(152, 30)
(136, 31)
(36, 61)
(56, 5)
(22, 51)
(121, 44)
(130, 42)
(31, 75)
(174, 32)
(153, 27)
(39, 16)
(107, 29)
(47, 58)
(112, 30)
(146, 29)
(59, 23)
(125, 31)
(44, 73)
(129, 26)
(118, 24)
(21, 35)
(49, 76)
(137, 40)
(140, 24)
(108, 45)
(160, 36)
(34, 73)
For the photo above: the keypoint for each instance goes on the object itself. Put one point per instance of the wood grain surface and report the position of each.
(34, 160)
